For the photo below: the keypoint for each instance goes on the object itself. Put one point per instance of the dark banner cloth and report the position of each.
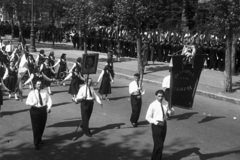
(184, 80)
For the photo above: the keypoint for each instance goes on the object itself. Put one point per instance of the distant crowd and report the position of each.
(156, 46)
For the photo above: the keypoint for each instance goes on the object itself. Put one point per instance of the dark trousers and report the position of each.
(136, 104)
(158, 134)
(167, 94)
(38, 119)
(86, 111)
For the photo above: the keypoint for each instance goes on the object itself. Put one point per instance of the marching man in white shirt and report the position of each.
(86, 95)
(136, 91)
(156, 115)
(41, 103)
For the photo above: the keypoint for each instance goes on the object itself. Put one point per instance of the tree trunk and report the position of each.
(228, 72)
(85, 42)
(53, 32)
(139, 55)
(81, 39)
(233, 54)
(52, 24)
(19, 18)
(12, 28)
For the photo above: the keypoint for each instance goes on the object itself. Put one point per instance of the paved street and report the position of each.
(207, 132)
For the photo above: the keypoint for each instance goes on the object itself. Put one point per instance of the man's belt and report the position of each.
(39, 107)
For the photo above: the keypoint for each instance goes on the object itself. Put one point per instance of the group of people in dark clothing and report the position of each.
(155, 48)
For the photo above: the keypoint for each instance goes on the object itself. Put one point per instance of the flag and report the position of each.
(22, 67)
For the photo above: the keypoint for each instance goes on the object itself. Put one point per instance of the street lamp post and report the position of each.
(32, 40)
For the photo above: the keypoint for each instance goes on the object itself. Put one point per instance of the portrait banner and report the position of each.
(90, 63)
(184, 80)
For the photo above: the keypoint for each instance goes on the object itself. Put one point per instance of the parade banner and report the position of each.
(90, 63)
(184, 80)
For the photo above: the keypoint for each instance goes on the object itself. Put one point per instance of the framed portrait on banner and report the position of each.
(90, 63)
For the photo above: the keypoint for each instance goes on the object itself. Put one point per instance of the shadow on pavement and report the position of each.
(187, 153)
(183, 116)
(117, 98)
(55, 92)
(60, 104)
(143, 123)
(74, 123)
(65, 147)
(210, 118)
(156, 69)
(119, 87)
(107, 127)
(9, 113)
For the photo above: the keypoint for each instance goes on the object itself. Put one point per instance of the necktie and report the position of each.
(40, 98)
(164, 118)
(90, 93)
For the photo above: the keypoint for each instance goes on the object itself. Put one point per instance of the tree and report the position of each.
(87, 14)
(225, 21)
(188, 14)
(137, 17)
(16, 6)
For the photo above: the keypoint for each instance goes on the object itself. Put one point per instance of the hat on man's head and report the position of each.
(136, 75)
(41, 51)
(79, 59)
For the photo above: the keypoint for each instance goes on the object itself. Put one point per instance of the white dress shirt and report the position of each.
(166, 82)
(133, 87)
(33, 99)
(82, 93)
(154, 112)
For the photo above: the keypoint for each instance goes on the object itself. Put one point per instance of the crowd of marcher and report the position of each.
(155, 47)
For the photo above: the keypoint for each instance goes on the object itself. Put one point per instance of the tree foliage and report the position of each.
(224, 15)
(138, 15)
(225, 22)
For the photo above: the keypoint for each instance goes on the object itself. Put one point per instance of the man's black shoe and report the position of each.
(37, 147)
(81, 127)
(134, 124)
(89, 134)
